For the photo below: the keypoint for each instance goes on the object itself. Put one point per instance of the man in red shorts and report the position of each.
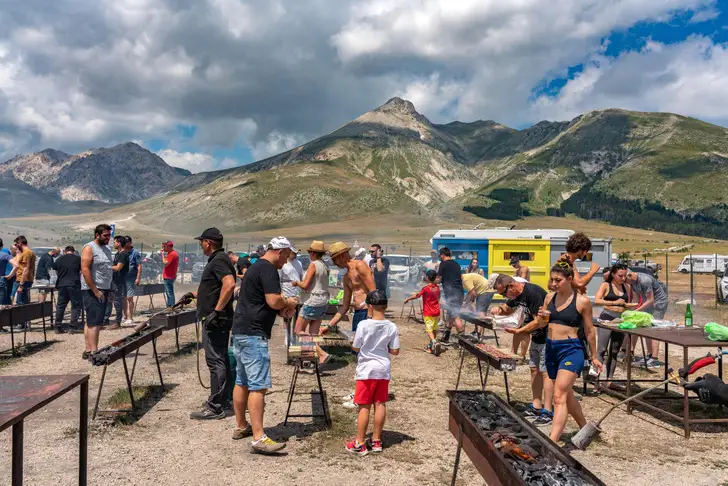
(375, 340)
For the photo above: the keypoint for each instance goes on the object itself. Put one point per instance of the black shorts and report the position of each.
(482, 302)
(95, 309)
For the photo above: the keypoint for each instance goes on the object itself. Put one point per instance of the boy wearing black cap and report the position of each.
(375, 340)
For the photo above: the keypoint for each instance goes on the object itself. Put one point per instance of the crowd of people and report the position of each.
(555, 331)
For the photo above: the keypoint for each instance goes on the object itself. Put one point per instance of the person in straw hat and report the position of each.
(358, 282)
(314, 295)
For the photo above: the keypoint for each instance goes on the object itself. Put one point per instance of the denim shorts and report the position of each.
(130, 287)
(564, 354)
(252, 362)
(359, 315)
(537, 357)
(313, 313)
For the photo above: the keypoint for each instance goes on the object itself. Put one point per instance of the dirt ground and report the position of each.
(162, 446)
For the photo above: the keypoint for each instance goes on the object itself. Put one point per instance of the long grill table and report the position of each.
(48, 289)
(505, 448)
(175, 320)
(684, 337)
(495, 358)
(17, 314)
(119, 350)
(23, 395)
(150, 290)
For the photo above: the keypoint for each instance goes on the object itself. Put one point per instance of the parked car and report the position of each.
(305, 261)
(403, 269)
(723, 288)
(151, 270)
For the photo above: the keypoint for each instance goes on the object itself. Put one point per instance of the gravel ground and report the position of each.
(164, 447)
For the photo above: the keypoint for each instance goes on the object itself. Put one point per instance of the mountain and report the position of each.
(120, 174)
(658, 171)
(20, 199)
(652, 170)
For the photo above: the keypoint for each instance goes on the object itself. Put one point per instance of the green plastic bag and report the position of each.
(638, 318)
(716, 332)
(626, 325)
(337, 300)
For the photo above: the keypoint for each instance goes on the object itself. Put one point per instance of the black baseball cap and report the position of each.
(210, 234)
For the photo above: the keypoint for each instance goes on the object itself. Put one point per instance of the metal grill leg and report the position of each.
(480, 372)
(133, 365)
(644, 354)
(83, 435)
(460, 369)
(98, 394)
(176, 337)
(495, 334)
(292, 390)
(12, 340)
(45, 339)
(156, 360)
(324, 405)
(457, 456)
(487, 372)
(128, 382)
(508, 393)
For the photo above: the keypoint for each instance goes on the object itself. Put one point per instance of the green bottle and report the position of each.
(688, 317)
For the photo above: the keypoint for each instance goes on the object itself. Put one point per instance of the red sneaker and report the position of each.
(357, 449)
(376, 445)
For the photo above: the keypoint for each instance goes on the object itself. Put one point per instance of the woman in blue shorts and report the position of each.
(566, 312)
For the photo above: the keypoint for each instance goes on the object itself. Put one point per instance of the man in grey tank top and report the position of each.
(96, 273)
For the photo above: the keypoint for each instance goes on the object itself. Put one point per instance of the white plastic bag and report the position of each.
(513, 321)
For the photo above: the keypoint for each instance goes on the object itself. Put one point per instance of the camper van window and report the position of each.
(521, 255)
(465, 255)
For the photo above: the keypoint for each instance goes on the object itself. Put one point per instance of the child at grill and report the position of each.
(375, 340)
(430, 294)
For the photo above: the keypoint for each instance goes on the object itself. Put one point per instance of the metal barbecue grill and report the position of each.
(118, 350)
(13, 315)
(494, 358)
(173, 320)
(505, 448)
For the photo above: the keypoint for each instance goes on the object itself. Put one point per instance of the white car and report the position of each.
(403, 269)
(723, 288)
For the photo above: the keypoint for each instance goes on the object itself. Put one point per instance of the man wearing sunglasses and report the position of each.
(530, 297)
(380, 268)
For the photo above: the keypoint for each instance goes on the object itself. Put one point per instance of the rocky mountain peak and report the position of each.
(400, 106)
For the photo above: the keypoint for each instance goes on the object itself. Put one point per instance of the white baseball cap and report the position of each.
(492, 279)
(281, 243)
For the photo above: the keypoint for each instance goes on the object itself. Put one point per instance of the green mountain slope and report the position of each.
(650, 170)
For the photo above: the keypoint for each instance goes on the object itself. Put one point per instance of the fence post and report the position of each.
(715, 274)
(667, 275)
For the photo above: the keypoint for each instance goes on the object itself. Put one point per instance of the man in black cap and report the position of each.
(215, 310)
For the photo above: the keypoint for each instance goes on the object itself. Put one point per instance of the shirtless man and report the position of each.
(358, 282)
(577, 248)
(521, 270)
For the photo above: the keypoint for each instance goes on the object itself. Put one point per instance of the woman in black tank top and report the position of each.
(614, 296)
(569, 314)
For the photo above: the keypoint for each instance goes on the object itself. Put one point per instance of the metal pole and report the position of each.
(667, 275)
(715, 273)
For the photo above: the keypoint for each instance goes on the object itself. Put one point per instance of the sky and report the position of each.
(211, 84)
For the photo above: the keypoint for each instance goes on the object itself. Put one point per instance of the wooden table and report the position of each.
(685, 337)
(23, 395)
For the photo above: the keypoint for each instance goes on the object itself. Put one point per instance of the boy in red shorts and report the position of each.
(430, 294)
(376, 338)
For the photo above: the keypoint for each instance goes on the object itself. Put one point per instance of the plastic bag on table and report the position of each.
(716, 332)
(638, 318)
(663, 323)
(513, 321)
(627, 325)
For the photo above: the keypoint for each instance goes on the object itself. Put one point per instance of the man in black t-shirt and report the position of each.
(259, 303)
(529, 297)
(380, 268)
(68, 285)
(118, 283)
(215, 311)
(42, 272)
(450, 276)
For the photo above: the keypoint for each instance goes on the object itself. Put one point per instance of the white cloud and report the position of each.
(688, 78)
(271, 74)
(194, 161)
(276, 143)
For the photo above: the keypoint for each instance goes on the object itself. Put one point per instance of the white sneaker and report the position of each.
(349, 404)
(348, 398)
(128, 322)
